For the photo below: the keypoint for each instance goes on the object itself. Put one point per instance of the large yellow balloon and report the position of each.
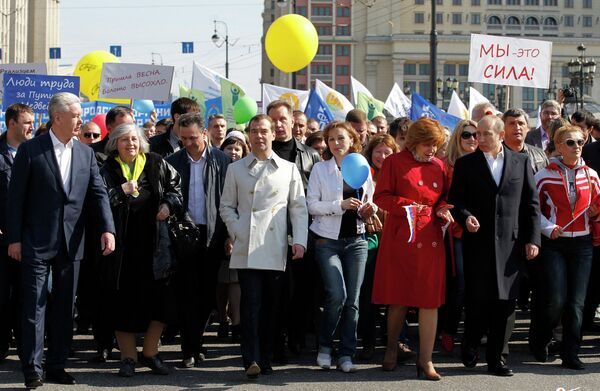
(89, 70)
(291, 42)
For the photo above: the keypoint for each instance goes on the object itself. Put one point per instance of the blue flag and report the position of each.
(317, 109)
(421, 107)
(213, 106)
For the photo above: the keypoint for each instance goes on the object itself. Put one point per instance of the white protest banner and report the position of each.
(136, 81)
(29, 68)
(337, 103)
(207, 81)
(296, 98)
(397, 103)
(510, 61)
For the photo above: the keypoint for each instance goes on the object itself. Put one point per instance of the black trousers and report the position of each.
(9, 299)
(261, 295)
(35, 277)
(197, 284)
(487, 316)
(592, 298)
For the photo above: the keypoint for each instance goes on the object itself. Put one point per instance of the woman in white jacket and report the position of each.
(338, 227)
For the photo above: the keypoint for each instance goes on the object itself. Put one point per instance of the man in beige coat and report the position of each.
(260, 191)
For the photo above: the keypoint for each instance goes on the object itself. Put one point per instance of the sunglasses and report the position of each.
(467, 135)
(91, 135)
(571, 143)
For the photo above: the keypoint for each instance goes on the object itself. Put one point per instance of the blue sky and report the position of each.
(143, 27)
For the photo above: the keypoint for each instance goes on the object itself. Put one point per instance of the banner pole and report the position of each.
(507, 100)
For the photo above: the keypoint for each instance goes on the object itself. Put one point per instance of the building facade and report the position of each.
(28, 29)
(388, 42)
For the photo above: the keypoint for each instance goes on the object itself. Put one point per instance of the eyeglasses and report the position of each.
(571, 143)
(467, 135)
(91, 135)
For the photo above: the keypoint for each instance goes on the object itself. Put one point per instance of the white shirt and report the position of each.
(174, 141)
(495, 165)
(196, 196)
(63, 153)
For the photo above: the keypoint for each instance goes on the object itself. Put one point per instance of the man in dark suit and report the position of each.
(52, 177)
(496, 203)
(202, 169)
(19, 128)
(539, 137)
(167, 143)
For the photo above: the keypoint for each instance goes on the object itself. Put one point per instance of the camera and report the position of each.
(569, 92)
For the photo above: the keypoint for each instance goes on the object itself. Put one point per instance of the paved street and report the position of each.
(222, 371)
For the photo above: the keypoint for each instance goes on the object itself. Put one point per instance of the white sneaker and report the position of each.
(324, 360)
(346, 366)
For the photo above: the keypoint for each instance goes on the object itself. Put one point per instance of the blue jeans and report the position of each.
(342, 264)
(561, 275)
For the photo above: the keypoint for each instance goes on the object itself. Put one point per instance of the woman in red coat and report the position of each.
(410, 269)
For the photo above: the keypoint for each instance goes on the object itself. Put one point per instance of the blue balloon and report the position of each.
(143, 105)
(355, 170)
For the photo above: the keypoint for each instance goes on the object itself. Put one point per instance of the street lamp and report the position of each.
(551, 93)
(218, 41)
(581, 72)
(433, 41)
(445, 88)
(407, 91)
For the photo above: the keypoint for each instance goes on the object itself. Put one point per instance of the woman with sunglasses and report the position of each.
(569, 201)
(462, 142)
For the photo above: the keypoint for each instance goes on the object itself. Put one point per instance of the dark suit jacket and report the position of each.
(534, 137)
(42, 216)
(591, 155)
(508, 215)
(160, 144)
(6, 162)
(214, 179)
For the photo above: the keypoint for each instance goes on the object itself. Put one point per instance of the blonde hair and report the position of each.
(455, 150)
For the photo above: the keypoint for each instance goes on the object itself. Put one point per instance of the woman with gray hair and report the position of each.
(143, 191)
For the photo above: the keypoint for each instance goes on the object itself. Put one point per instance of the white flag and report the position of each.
(397, 104)
(207, 81)
(475, 98)
(337, 103)
(358, 87)
(457, 108)
(296, 98)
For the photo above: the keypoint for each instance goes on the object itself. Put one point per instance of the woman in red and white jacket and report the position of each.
(569, 201)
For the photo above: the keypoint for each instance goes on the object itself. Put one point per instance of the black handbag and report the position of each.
(185, 236)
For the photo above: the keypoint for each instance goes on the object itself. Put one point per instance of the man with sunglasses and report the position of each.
(90, 133)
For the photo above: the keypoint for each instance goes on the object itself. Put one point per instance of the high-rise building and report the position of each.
(387, 41)
(333, 62)
(28, 29)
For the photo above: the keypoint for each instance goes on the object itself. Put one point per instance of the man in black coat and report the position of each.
(202, 169)
(19, 128)
(496, 203)
(53, 176)
(167, 143)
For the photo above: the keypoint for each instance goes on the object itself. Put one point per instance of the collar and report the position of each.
(252, 159)
(56, 142)
(499, 155)
(203, 157)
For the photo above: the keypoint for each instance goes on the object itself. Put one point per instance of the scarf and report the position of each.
(138, 167)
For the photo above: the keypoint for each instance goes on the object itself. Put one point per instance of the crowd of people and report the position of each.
(449, 222)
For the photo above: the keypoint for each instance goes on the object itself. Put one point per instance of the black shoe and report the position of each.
(500, 370)
(469, 357)
(573, 363)
(103, 356)
(554, 348)
(3, 353)
(59, 376)
(279, 357)
(253, 371)
(236, 332)
(127, 368)
(266, 370)
(154, 363)
(34, 381)
(539, 352)
(223, 330)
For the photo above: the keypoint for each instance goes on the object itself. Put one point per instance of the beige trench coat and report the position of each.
(255, 204)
